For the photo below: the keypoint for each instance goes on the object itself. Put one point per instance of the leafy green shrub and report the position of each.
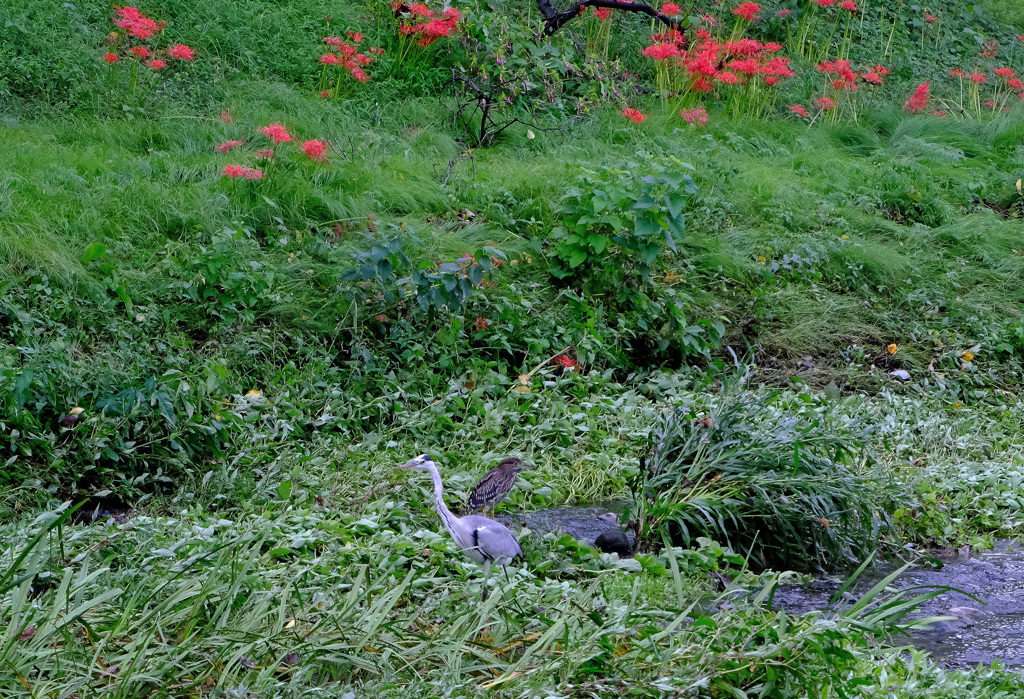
(615, 226)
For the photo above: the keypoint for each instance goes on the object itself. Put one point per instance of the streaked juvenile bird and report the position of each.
(496, 485)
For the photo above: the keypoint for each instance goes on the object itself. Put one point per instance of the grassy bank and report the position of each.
(705, 320)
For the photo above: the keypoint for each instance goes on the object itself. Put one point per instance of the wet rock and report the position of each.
(614, 542)
(968, 616)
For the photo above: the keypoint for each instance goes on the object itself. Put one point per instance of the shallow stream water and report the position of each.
(984, 630)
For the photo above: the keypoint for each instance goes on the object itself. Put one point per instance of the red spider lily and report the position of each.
(1004, 72)
(110, 58)
(1020, 37)
(1015, 83)
(928, 18)
(990, 103)
(140, 52)
(634, 115)
(823, 3)
(747, 10)
(359, 74)
(182, 52)
(329, 59)
(566, 362)
(918, 101)
(137, 24)
(433, 29)
(873, 77)
(825, 104)
(697, 115)
(848, 5)
(225, 117)
(276, 133)
(480, 324)
(670, 9)
(957, 73)
(661, 52)
(772, 47)
(978, 78)
(602, 13)
(315, 149)
(356, 37)
(236, 171)
(264, 153)
(845, 77)
(332, 41)
(228, 145)
(727, 78)
(743, 47)
(785, 13)
(989, 49)
(496, 262)
(798, 109)
(156, 64)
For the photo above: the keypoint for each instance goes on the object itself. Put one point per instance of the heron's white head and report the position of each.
(420, 463)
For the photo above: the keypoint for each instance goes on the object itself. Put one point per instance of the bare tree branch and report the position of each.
(555, 19)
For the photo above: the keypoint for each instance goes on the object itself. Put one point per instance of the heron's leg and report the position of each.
(506, 571)
(487, 574)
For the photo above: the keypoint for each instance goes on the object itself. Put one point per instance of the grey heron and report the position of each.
(496, 484)
(482, 539)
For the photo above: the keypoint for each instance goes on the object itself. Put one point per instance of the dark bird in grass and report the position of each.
(71, 418)
(496, 485)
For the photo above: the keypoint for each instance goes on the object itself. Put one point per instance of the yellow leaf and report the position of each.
(844, 236)
(76, 411)
(523, 389)
(761, 259)
(291, 623)
(253, 394)
(1018, 186)
(967, 356)
(892, 348)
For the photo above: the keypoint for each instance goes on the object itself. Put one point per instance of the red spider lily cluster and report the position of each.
(1003, 86)
(566, 362)
(420, 21)
(313, 149)
(602, 13)
(918, 101)
(347, 58)
(238, 171)
(480, 324)
(138, 28)
(842, 80)
(634, 115)
(739, 68)
(696, 116)
(747, 11)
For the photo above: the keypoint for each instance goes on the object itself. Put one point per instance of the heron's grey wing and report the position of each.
(493, 540)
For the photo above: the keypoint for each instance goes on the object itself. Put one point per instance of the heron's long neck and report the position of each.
(446, 515)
